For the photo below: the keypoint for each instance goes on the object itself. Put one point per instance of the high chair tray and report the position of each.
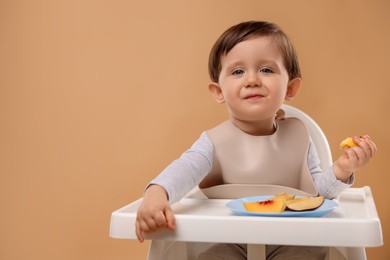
(354, 223)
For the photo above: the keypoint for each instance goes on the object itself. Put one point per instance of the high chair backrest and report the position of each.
(317, 135)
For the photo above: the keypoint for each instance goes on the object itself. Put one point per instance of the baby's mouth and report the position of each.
(254, 97)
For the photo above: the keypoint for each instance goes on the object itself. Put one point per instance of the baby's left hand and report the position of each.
(354, 157)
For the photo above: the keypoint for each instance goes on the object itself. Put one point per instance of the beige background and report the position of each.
(97, 97)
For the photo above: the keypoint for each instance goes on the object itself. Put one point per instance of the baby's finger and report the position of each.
(138, 232)
(160, 220)
(364, 151)
(351, 153)
(170, 217)
(149, 225)
(372, 146)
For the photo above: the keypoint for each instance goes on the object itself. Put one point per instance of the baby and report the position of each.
(254, 69)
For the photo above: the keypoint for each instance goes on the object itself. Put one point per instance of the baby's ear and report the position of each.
(216, 92)
(293, 87)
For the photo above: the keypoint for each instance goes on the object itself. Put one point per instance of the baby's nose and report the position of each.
(253, 80)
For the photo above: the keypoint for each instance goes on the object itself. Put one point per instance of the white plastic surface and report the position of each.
(354, 223)
(317, 135)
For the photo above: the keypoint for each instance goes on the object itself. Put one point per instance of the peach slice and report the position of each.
(284, 196)
(305, 203)
(347, 142)
(266, 206)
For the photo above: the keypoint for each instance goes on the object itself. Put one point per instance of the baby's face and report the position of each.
(253, 80)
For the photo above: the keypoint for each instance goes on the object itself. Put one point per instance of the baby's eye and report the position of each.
(266, 70)
(238, 71)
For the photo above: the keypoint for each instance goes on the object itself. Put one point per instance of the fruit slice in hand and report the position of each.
(347, 142)
(305, 203)
(267, 206)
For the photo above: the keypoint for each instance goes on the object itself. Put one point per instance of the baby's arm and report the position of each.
(354, 158)
(327, 182)
(171, 185)
(154, 212)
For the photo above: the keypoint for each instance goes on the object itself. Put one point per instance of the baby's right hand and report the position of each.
(154, 212)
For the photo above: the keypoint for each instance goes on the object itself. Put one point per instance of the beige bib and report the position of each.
(260, 162)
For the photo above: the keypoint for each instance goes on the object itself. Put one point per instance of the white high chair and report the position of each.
(200, 222)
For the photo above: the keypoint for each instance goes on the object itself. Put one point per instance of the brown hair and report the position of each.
(251, 29)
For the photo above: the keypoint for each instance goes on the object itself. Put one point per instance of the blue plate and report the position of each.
(238, 208)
